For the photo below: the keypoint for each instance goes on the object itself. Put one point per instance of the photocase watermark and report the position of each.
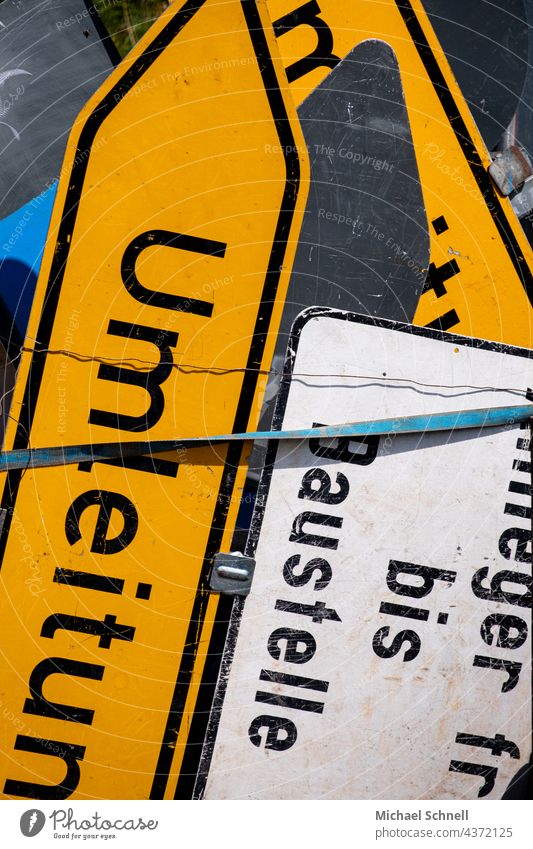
(361, 228)
(65, 820)
(61, 375)
(357, 157)
(387, 442)
(79, 17)
(356, 224)
(208, 288)
(65, 825)
(79, 159)
(7, 102)
(10, 716)
(51, 746)
(22, 223)
(437, 155)
(202, 488)
(34, 579)
(185, 75)
(32, 822)
(218, 65)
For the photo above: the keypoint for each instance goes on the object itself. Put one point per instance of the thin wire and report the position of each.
(189, 368)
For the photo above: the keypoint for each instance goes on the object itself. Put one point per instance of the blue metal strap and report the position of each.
(33, 458)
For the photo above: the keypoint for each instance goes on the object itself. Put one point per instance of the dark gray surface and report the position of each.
(50, 64)
(363, 167)
(486, 43)
(524, 112)
(364, 244)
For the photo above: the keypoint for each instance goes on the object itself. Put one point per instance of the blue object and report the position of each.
(426, 423)
(22, 238)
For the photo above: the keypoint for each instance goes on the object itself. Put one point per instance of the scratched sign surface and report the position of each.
(480, 280)
(164, 271)
(385, 649)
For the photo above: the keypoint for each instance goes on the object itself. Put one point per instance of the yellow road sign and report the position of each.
(159, 297)
(480, 280)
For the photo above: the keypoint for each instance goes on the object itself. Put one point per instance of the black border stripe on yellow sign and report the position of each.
(107, 42)
(191, 758)
(257, 347)
(64, 241)
(479, 172)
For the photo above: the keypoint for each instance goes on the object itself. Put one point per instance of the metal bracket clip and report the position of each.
(232, 574)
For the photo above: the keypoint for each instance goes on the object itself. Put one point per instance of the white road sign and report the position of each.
(385, 650)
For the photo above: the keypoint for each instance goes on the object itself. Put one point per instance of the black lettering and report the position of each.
(322, 493)
(39, 706)
(322, 56)
(167, 239)
(519, 510)
(318, 611)
(487, 772)
(440, 225)
(150, 380)
(438, 275)
(108, 629)
(107, 502)
(299, 535)
(318, 564)
(403, 610)
(523, 545)
(426, 573)
(53, 748)
(408, 636)
(496, 593)
(444, 322)
(143, 463)
(497, 745)
(340, 449)
(292, 702)
(300, 645)
(89, 581)
(281, 733)
(293, 680)
(505, 623)
(510, 667)
(520, 488)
